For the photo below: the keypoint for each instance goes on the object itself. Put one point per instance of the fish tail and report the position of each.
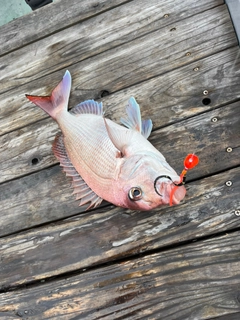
(58, 100)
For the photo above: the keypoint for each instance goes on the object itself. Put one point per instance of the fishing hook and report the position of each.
(176, 184)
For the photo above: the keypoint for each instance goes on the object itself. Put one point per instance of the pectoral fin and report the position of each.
(120, 137)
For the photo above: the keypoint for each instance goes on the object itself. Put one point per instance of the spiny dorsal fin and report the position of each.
(134, 120)
(81, 189)
(88, 107)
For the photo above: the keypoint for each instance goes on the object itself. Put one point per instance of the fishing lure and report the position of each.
(190, 162)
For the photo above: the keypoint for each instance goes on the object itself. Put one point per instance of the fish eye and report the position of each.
(135, 194)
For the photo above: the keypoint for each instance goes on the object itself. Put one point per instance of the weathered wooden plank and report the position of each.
(197, 281)
(233, 316)
(125, 65)
(164, 281)
(106, 31)
(19, 148)
(46, 195)
(102, 235)
(162, 98)
(48, 20)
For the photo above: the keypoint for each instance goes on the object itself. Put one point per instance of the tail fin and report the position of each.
(58, 100)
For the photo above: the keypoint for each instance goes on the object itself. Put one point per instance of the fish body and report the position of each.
(106, 160)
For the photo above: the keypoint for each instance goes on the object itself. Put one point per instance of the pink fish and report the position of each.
(106, 160)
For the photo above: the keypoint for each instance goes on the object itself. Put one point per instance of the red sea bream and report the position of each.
(106, 160)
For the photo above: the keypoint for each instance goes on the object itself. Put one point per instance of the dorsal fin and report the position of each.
(88, 107)
(81, 189)
(146, 128)
(134, 120)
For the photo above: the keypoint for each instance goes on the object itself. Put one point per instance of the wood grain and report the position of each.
(20, 147)
(161, 99)
(50, 19)
(181, 62)
(232, 316)
(196, 281)
(105, 235)
(114, 69)
(136, 55)
(166, 98)
(46, 195)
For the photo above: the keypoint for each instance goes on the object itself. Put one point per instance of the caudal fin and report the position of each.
(58, 101)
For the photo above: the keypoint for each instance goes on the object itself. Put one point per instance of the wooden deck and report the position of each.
(181, 61)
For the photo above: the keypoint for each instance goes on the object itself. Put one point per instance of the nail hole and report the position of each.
(237, 213)
(34, 161)
(166, 15)
(104, 93)
(206, 101)
(173, 29)
(229, 183)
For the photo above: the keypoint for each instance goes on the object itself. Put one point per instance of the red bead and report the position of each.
(190, 161)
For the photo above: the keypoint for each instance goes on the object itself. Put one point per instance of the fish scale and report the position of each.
(99, 152)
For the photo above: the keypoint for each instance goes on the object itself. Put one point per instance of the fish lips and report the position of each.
(164, 186)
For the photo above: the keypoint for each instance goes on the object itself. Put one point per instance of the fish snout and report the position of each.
(172, 194)
(178, 194)
(167, 190)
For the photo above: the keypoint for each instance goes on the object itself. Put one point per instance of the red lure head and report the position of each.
(190, 162)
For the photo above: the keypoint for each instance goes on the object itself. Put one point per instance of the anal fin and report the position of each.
(83, 192)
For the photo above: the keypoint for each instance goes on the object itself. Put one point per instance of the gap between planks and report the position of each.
(184, 92)
(128, 258)
(200, 280)
(46, 195)
(65, 52)
(61, 15)
(20, 147)
(98, 237)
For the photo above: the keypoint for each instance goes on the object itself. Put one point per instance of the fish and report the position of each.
(106, 160)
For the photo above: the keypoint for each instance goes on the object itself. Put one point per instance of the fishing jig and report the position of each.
(190, 162)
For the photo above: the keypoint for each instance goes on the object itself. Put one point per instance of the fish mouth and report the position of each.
(178, 195)
(169, 191)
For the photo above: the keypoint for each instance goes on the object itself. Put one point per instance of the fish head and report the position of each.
(147, 182)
